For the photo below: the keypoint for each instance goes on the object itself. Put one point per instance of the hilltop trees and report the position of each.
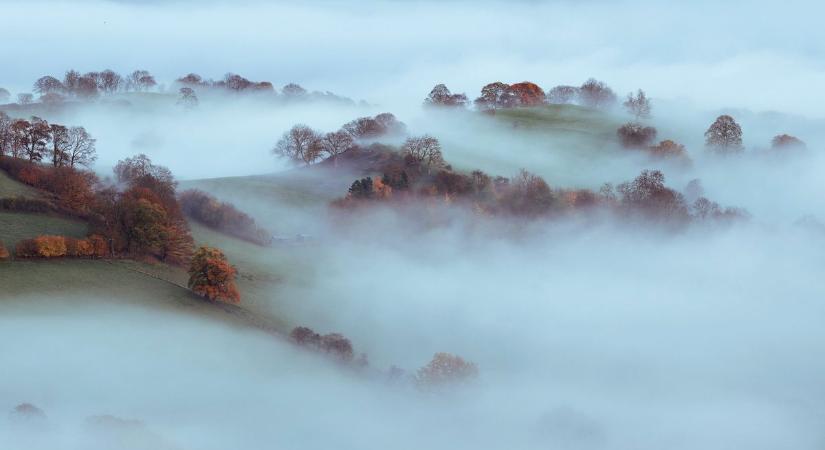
(527, 94)
(211, 276)
(441, 96)
(301, 144)
(335, 143)
(140, 80)
(596, 94)
(47, 85)
(424, 150)
(563, 95)
(724, 136)
(372, 127)
(495, 95)
(638, 105)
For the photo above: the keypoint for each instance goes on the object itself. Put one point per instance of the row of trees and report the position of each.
(497, 95)
(222, 216)
(91, 84)
(304, 145)
(37, 140)
(724, 137)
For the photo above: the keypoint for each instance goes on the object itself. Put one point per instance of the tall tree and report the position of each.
(37, 137)
(638, 104)
(563, 95)
(80, 148)
(110, 81)
(300, 144)
(724, 136)
(440, 95)
(60, 141)
(71, 81)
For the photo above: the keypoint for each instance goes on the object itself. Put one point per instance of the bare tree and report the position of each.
(71, 81)
(563, 95)
(37, 135)
(86, 87)
(141, 80)
(5, 95)
(80, 147)
(47, 85)
(440, 95)
(188, 99)
(724, 136)
(596, 94)
(638, 105)
(425, 150)
(110, 81)
(300, 144)
(335, 143)
(6, 135)
(60, 140)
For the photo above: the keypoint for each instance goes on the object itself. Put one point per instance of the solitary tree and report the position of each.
(335, 143)
(638, 105)
(724, 136)
(211, 276)
(25, 98)
(527, 93)
(300, 144)
(187, 98)
(109, 81)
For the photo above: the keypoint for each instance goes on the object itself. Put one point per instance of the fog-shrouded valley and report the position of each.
(404, 225)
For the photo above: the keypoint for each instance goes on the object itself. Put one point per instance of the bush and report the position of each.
(4, 254)
(78, 248)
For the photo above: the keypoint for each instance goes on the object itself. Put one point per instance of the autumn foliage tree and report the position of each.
(211, 276)
(527, 93)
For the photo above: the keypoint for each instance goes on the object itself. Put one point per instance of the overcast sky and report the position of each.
(756, 54)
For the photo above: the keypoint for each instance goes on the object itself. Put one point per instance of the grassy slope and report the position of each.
(18, 226)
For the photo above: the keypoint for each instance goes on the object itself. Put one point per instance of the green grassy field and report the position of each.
(12, 188)
(15, 227)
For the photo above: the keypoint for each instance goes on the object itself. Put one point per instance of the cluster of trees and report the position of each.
(89, 85)
(48, 246)
(304, 145)
(221, 216)
(724, 137)
(139, 214)
(37, 140)
(497, 95)
(333, 344)
(231, 82)
(212, 277)
(413, 175)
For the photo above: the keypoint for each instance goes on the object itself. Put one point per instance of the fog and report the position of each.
(587, 333)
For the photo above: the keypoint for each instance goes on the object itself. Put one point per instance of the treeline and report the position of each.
(74, 85)
(37, 140)
(444, 370)
(222, 216)
(498, 95)
(418, 172)
(304, 145)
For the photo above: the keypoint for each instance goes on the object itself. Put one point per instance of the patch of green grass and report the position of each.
(15, 227)
(13, 188)
(564, 119)
(112, 282)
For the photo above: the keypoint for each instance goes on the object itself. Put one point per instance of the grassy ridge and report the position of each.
(13, 188)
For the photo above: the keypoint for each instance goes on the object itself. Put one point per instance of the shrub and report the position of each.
(99, 246)
(78, 248)
(50, 246)
(21, 204)
(4, 254)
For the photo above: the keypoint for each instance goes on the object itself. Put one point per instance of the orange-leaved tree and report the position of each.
(211, 276)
